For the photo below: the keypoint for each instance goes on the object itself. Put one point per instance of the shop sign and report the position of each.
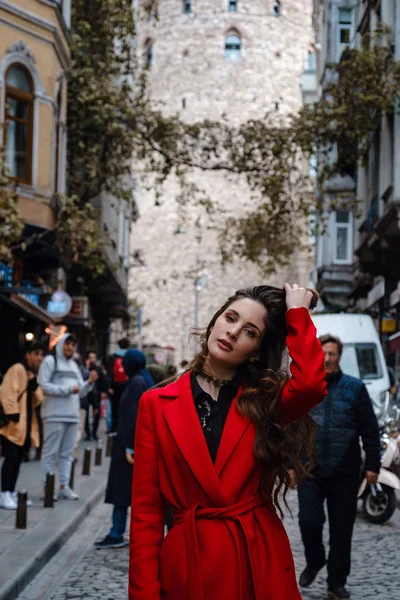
(59, 304)
(79, 308)
(395, 296)
(377, 292)
(388, 325)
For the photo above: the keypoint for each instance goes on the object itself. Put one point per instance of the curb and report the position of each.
(45, 545)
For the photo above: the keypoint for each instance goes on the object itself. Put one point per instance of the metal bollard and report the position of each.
(98, 456)
(21, 515)
(110, 442)
(86, 461)
(49, 491)
(72, 475)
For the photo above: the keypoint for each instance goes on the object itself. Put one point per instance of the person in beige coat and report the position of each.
(20, 395)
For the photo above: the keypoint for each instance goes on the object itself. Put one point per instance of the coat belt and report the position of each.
(235, 516)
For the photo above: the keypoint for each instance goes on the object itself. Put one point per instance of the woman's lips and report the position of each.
(224, 345)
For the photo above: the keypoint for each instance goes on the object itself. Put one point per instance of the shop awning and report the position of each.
(394, 342)
(29, 308)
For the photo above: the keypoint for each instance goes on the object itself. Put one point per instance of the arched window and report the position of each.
(19, 119)
(233, 6)
(276, 7)
(187, 6)
(149, 53)
(233, 45)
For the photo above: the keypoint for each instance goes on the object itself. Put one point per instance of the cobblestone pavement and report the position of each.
(102, 574)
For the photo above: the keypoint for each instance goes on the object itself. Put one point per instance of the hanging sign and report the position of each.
(59, 304)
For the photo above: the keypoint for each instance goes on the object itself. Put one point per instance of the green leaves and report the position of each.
(11, 224)
(79, 236)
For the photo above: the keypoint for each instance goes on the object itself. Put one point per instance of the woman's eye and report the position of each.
(230, 318)
(250, 332)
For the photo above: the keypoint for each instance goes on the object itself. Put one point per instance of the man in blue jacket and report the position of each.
(345, 416)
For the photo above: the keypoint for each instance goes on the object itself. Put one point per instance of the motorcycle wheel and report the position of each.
(380, 509)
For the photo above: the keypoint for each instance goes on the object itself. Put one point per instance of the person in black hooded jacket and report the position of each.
(345, 416)
(119, 486)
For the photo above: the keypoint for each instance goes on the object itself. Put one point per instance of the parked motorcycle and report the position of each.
(379, 500)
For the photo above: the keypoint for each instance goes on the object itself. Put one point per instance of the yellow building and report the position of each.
(34, 58)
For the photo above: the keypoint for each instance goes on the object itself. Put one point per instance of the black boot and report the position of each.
(338, 593)
(308, 576)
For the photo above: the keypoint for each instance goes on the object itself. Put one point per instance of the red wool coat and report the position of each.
(227, 543)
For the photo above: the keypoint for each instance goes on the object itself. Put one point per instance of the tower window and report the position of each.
(233, 45)
(233, 6)
(19, 119)
(276, 7)
(149, 54)
(187, 6)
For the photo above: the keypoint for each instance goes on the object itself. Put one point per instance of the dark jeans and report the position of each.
(95, 422)
(341, 496)
(13, 456)
(119, 516)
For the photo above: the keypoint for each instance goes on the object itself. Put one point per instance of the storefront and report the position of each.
(21, 321)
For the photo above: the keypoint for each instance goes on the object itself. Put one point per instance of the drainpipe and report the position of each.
(396, 174)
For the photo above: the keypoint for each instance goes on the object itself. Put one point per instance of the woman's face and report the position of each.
(237, 333)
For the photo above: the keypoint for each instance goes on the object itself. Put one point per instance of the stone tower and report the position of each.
(210, 58)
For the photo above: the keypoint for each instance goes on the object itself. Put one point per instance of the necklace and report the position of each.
(214, 380)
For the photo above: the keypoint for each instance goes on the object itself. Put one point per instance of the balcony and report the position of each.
(388, 226)
(379, 248)
(362, 283)
(335, 284)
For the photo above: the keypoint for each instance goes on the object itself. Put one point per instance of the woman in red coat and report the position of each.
(215, 445)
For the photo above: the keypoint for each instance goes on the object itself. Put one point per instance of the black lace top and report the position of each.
(213, 414)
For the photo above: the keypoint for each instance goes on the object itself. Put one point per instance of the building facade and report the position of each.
(34, 59)
(357, 257)
(34, 56)
(210, 60)
(335, 25)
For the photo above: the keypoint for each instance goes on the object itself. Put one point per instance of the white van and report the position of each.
(362, 354)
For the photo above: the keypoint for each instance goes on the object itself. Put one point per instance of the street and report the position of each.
(80, 572)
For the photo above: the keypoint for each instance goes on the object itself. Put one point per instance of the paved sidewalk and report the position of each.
(23, 553)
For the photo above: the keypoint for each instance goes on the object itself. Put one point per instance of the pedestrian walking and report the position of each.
(118, 379)
(92, 402)
(119, 487)
(214, 445)
(345, 415)
(62, 383)
(20, 396)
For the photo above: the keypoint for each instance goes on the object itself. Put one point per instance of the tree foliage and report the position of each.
(270, 153)
(112, 125)
(11, 225)
(79, 235)
(100, 99)
(359, 90)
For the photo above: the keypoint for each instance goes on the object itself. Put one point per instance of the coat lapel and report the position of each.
(184, 424)
(235, 427)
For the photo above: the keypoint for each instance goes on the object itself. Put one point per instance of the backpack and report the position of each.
(119, 375)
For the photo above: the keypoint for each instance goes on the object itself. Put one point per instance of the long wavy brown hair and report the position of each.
(277, 447)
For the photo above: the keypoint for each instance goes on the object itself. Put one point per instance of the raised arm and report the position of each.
(147, 511)
(307, 385)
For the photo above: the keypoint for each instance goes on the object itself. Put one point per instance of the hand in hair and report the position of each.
(297, 297)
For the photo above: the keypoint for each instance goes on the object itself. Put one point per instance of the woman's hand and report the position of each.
(93, 376)
(129, 458)
(297, 297)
